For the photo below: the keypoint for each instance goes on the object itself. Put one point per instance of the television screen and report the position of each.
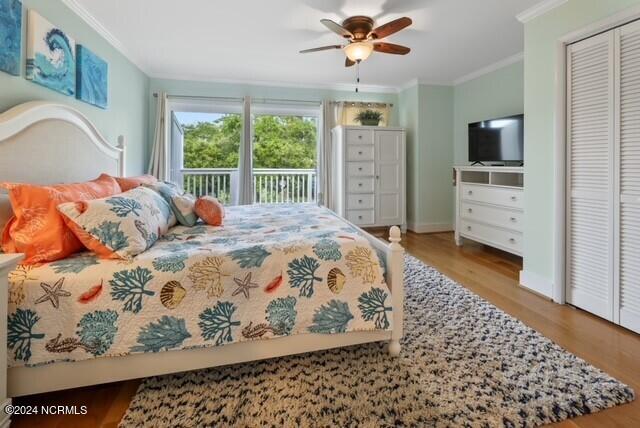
(497, 140)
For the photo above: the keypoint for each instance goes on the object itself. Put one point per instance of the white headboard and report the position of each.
(47, 143)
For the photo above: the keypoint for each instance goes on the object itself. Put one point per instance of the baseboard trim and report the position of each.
(429, 227)
(536, 283)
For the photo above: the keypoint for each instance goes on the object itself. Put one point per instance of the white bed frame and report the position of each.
(44, 143)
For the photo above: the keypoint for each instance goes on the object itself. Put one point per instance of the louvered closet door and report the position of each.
(629, 175)
(590, 156)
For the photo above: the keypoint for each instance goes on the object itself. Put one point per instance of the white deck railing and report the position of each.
(270, 185)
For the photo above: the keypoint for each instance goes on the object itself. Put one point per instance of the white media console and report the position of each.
(490, 206)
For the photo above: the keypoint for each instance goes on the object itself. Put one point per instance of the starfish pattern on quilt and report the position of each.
(53, 293)
(244, 285)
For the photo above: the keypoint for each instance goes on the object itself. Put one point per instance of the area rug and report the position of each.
(463, 363)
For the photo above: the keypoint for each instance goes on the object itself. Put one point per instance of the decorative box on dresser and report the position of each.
(489, 206)
(369, 180)
(8, 262)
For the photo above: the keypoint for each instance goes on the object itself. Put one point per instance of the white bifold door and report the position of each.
(603, 175)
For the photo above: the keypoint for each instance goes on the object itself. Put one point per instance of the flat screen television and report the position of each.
(497, 140)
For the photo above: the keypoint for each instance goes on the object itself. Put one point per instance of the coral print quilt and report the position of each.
(270, 271)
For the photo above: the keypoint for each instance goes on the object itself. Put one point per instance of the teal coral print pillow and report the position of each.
(182, 204)
(119, 226)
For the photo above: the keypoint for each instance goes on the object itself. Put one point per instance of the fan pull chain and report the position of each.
(357, 74)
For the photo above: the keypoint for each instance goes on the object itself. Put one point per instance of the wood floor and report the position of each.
(489, 273)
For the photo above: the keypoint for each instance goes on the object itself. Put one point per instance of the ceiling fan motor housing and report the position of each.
(359, 26)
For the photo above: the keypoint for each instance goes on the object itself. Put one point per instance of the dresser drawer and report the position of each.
(360, 185)
(360, 153)
(492, 235)
(493, 195)
(360, 216)
(492, 215)
(364, 201)
(356, 169)
(359, 136)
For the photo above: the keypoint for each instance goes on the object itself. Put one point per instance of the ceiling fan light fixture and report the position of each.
(358, 51)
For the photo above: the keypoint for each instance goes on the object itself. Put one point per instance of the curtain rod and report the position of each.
(201, 97)
(364, 103)
(273, 100)
(259, 100)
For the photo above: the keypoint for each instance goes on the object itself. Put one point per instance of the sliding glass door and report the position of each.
(208, 142)
(285, 149)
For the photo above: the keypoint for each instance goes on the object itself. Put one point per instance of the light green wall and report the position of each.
(496, 94)
(214, 89)
(427, 113)
(541, 35)
(408, 111)
(128, 86)
(436, 155)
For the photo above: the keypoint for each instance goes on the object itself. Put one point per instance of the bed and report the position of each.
(274, 280)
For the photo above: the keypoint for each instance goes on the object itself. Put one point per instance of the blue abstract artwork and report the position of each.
(92, 78)
(10, 36)
(51, 53)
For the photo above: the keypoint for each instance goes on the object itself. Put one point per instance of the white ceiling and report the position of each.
(259, 40)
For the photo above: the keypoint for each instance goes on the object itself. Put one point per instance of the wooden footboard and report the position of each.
(64, 375)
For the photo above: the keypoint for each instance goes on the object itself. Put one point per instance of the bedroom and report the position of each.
(497, 294)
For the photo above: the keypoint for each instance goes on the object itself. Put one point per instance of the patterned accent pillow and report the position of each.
(128, 183)
(120, 226)
(37, 228)
(210, 210)
(180, 202)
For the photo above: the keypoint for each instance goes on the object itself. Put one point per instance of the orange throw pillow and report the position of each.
(38, 229)
(128, 183)
(210, 210)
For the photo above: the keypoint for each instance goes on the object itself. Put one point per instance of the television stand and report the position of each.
(489, 206)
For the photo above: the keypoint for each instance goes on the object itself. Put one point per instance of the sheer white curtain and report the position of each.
(331, 117)
(159, 163)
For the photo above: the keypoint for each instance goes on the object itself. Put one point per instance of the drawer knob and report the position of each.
(359, 184)
(360, 137)
(513, 219)
(470, 210)
(359, 153)
(468, 227)
(359, 217)
(359, 201)
(470, 192)
(513, 198)
(359, 168)
(512, 240)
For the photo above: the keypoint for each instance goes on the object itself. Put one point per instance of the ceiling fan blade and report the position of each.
(391, 48)
(323, 48)
(337, 28)
(390, 28)
(348, 62)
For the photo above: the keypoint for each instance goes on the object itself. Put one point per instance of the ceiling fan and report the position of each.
(363, 38)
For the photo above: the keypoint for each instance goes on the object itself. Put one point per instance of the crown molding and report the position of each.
(538, 10)
(415, 82)
(410, 84)
(97, 26)
(490, 68)
(349, 87)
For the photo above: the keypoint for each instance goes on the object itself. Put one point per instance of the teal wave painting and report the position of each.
(92, 81)
(10, 36)
(50, 56)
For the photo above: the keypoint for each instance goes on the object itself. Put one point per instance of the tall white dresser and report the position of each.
(369, 175)
(490, 206)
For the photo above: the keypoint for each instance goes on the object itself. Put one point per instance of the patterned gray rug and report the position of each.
(463, 363)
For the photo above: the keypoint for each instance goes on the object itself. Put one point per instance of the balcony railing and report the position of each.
(269, 185)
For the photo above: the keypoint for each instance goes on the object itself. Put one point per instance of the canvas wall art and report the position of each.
(10, 36)
(92, 78)
(51, 54)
